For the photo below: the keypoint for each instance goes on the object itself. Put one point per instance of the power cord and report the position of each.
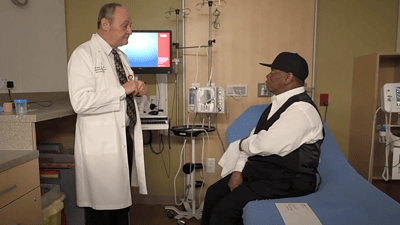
(326, 109)
(186, 192)
(46, 103)
(227, 103)
(148, 142)
(10, 84)
(160, 145)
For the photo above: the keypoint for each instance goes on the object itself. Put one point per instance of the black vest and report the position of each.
(302, 161)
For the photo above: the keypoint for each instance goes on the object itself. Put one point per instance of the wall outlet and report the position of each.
(3, 84)
(324, 100)
(10, 84)
(210, 165)
(236, 90)
(262, 90)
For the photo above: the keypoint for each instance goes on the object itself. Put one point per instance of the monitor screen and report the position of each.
(149, 51)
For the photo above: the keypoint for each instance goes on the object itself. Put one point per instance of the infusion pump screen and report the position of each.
(398, 96)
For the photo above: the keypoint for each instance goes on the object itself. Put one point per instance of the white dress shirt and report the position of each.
(299, 124)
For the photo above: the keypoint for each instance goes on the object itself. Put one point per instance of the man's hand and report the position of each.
(137, 88)
(236, 180)
(142, 89)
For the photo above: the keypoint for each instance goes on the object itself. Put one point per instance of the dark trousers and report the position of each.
(107, 217)
(223, 207)
(112, 217)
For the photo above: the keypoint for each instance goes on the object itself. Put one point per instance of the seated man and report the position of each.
(280, 156)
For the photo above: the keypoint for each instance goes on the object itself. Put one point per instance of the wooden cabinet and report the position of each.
(20, 197)
(370, 73)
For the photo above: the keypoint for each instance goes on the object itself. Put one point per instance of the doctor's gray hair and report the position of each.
(107, 11)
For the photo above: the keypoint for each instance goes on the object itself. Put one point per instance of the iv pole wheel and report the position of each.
(181, 222)
(170, 214)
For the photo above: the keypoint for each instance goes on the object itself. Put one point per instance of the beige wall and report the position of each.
(346, 29)
(247, 36)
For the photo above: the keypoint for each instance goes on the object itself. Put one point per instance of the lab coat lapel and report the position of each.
(102, 59)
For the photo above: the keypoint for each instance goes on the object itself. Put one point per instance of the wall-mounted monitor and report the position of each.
(149, 51)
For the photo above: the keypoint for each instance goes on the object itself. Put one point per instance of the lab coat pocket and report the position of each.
(100, 137)
(98, 66)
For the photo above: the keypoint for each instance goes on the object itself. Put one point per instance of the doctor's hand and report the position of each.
(131, 87)
(236, 180)
(142, 88)
(137, 88)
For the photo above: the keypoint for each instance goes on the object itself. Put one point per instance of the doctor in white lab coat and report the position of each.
(98, 98)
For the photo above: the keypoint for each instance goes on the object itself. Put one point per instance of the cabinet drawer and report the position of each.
(25, 210)
(18, 181)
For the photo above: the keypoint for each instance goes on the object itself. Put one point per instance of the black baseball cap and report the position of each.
(290, 63)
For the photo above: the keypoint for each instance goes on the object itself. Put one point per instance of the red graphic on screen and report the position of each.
(163, 50)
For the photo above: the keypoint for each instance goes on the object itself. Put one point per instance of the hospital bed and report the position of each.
(344, 197)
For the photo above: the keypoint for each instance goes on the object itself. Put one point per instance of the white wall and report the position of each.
(33, 46)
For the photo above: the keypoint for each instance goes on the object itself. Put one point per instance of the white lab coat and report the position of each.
(102, 171)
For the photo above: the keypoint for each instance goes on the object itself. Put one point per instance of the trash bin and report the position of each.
(52, 204)
(57, 166)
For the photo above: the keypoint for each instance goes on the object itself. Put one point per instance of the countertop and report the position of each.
(37, 113)
(13, 158)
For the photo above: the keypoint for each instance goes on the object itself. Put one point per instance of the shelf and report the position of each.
(39, 113)
(191, 131)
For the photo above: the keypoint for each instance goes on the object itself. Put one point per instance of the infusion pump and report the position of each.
(390, 97)
(206, 99)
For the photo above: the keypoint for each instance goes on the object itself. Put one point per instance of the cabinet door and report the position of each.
(18, 181)
(25, 210)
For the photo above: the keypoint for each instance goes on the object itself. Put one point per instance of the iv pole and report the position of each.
(210, 4)
(184, 61)
(176, 60)
(177, 66)
(191, 210)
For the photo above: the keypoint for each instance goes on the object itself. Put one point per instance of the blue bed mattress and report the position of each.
(345, 197)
